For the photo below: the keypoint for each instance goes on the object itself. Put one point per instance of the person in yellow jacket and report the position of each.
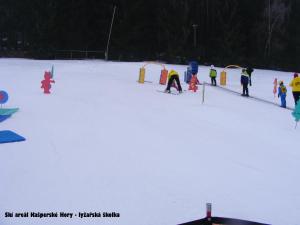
(295, 84)
(173, 76)
(213, 75)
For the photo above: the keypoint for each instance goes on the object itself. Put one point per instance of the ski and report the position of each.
(172, 93)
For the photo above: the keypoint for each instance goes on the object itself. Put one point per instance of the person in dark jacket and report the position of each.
(245, 82)
(250, 71)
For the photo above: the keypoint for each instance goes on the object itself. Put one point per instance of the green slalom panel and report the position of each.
(8, 112)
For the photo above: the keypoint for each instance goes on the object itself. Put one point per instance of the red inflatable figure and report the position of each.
(46, 83)
(193, 83)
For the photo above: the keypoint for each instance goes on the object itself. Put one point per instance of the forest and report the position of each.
(258, 33)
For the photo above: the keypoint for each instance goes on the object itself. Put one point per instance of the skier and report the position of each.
(250, 71)
(173, 76)
(295, 84)
(213, 75)
(282, 94)
(245, 82)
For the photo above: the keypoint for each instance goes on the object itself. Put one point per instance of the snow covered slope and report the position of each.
(101, 142)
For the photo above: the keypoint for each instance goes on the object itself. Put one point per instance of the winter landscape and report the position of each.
(102, 142)
(134, 112)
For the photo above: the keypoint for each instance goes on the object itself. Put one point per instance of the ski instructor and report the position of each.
(173, 75)
(295, 84)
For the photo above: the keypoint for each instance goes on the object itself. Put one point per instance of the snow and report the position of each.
(102, 142)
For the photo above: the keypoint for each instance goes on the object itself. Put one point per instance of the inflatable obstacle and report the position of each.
(163, 74)
(46, 83)
(4, 117)
(3, 97)
(8, 136)
(192, 69)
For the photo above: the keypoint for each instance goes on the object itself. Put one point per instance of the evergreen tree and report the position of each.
(233, 31)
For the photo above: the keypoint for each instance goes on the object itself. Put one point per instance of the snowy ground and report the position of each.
(101, 142)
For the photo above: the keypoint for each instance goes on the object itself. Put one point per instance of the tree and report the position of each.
(229, 38)
(276, 14)
(175, 26)
(293, 38)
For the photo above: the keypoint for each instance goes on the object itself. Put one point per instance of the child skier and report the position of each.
(173, 76)
(245, 82)
(282, 94)
(213, 75)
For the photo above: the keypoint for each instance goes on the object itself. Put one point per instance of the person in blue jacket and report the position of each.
(282, 94)
(245, 82)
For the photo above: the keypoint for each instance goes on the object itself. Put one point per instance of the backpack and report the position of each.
(283, 89)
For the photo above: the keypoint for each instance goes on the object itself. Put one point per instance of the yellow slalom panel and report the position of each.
(223, 78)
(142, 75)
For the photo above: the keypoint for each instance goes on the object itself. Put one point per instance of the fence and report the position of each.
(79, 54)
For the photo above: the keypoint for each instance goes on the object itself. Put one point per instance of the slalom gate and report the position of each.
(163, 74)
(223, 75)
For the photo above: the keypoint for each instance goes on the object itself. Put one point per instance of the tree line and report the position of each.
(259, 33)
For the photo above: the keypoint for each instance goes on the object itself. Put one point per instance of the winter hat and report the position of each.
(280, 82)
(295, 75)
(212, 66)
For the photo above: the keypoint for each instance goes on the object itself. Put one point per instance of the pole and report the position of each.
(269, 50)
(208, 211)
(195, 34)
(112, 21)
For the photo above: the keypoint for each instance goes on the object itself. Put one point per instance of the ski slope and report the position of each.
(101, 142)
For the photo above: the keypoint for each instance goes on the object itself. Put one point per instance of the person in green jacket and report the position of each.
(213, 75)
